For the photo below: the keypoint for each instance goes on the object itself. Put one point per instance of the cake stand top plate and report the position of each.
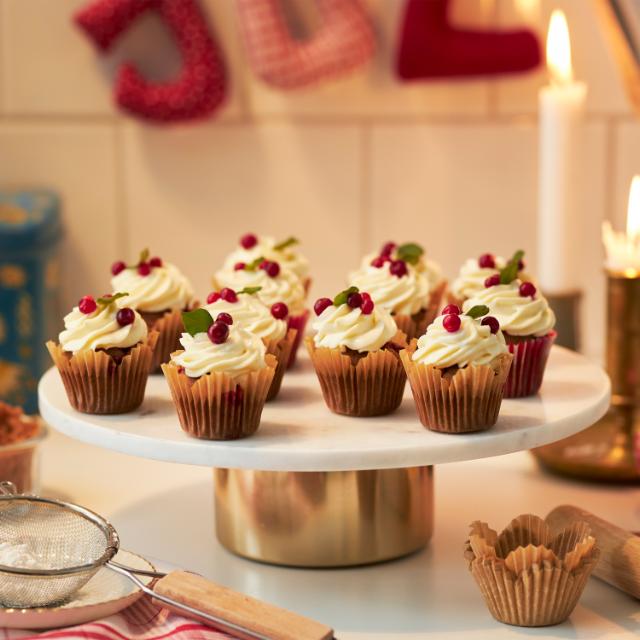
(298, 432)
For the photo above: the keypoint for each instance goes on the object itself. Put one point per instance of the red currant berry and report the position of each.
(365, 295)
(224, 317)
(264, 264)
(527, 290)
(451, 308)
(321, 304)
(144, 268)
(155, 261)
(87, 305)
(279, 310)
(248, 241)
(118, 267)
(367, 306)
(229, 295)
(492, 281)
(125, 316)
(452, 323)
(492, 323)
(521, 265)
(214, 296)
(398, 268)
(354, 300)
(378, 262)
(487, 261)
(239, 266)
(218, 332)
(387, 248)
(273, 269)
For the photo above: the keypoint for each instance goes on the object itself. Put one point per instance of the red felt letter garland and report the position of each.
(200, 87)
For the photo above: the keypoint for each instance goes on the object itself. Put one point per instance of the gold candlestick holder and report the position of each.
(606, 451)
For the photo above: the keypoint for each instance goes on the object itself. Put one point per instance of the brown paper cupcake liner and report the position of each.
(370, 385)
(16, 465)
(96, 384)
(530, 357)
(169, 328)
(415, 325)
(281, 349)
(462, 401)
(525, 583)
(217, 406)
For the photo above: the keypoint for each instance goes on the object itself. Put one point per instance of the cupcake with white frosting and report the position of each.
(473, 274)
(159, 292)
(269, 323)
(528, 325)
(284, 252)
(404, 282)
(355, 352)
(273, 283)
(457, 371)
(104, 355)
(220, 378)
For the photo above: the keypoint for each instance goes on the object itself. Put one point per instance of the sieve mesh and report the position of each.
(67, 544)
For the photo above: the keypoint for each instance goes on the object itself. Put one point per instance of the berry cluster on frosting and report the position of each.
(508, 274)
(144, 266)
(279, 310)
(250, 240)
(451, 321)
(88, 305)
(201, 321)
(271, 267)
(397, 257)
(352, 297)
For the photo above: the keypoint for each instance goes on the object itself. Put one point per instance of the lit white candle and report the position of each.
(561, 109)
(623, 248)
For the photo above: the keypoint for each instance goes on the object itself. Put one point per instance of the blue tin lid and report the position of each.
(29, 219)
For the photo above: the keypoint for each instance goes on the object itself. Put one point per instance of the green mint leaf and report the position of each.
(144, 256)
(478, 311)
(196, 321)
(249, 290)
(252, 266)
(289, 242)
(341, 298)
(409, 252)
(106, 300)
(510, 271)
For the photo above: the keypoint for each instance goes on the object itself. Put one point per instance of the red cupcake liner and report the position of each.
(298, 323)
(529, 361)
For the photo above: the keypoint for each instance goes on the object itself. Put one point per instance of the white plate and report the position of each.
(299, 433)
(104, 595)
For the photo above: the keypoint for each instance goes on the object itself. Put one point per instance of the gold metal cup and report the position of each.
(324, 519)
(605, 451)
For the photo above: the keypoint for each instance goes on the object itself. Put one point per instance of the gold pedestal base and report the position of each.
(603, 453)
(324, 519)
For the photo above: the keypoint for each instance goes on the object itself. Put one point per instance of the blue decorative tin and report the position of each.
(30, 232)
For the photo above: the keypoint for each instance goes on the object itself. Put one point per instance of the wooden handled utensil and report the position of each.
(619, 563)
(259, 618)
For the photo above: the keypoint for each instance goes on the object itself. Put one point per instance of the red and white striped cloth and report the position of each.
(344, 41)
(141, 621)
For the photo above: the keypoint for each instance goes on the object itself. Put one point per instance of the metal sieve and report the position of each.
(70, 544)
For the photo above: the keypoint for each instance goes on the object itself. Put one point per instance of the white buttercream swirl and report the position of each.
(100, 329)
(518, 315)
(164, 288)
(251, 314)
(346, 327)
(405, 295)
(472, 344)
(285, 287)
(288, 257)
(241, 353)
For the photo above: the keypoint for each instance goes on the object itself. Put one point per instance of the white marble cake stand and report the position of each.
(312, 488)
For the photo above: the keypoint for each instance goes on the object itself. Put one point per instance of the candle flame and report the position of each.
(559, 49)
(633, 211)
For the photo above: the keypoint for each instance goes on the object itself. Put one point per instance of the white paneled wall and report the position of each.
(344, 166)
